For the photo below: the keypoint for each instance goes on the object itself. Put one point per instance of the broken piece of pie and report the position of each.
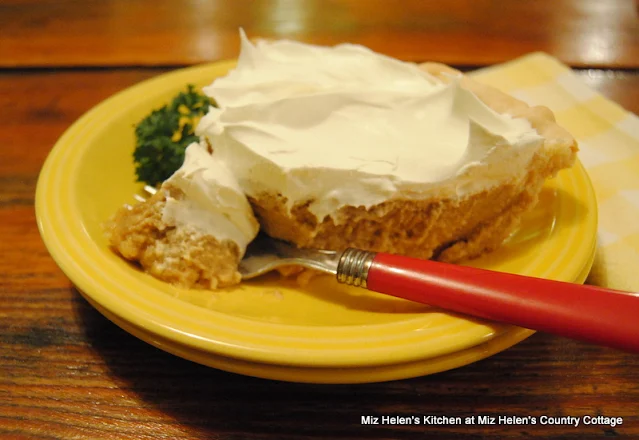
(342, 147)
(193, 231)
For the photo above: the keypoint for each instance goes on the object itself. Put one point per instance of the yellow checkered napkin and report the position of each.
(608, 139)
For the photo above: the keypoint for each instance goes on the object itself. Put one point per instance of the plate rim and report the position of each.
(353, 375)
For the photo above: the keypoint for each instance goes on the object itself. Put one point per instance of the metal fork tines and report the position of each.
(265, 254)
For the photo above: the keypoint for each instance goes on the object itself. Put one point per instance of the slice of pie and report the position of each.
(469, 212)
(342, 147)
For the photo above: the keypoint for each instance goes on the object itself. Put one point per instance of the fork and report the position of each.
(588, 313)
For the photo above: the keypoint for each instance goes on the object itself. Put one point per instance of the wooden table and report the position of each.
(67, 372)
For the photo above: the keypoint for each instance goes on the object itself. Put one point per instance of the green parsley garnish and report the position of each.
(163, 136)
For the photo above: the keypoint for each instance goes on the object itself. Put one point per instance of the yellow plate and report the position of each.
(362, 374)
(271, 322)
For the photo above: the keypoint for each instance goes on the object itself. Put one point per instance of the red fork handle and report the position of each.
(588, 313)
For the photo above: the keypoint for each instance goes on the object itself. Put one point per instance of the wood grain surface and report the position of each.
(66, 372)
(599, 33)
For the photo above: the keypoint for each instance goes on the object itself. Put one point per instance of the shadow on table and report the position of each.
(528, 379)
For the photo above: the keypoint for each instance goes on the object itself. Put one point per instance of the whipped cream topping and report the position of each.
(346, 126)
(213, 202)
